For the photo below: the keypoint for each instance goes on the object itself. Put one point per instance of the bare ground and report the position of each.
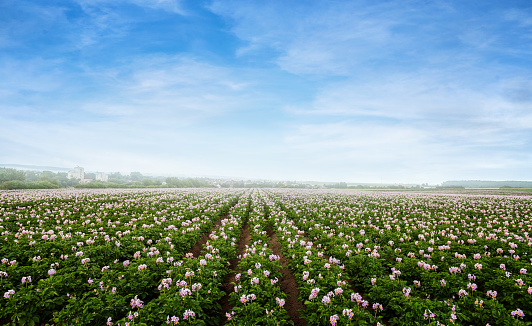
(227, 287)
(350, 282)
(196, 249)
(288, 283)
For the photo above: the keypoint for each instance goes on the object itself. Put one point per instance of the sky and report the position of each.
(358, 91)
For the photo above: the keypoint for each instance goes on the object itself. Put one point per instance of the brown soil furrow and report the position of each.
(350, 282)
(242, 244)
(198, 247)
(288, 283)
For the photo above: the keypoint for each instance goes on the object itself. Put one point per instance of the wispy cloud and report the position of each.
(172, 6)
(522, 17)
(328, 39)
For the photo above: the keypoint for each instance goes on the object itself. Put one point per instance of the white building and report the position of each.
(77, 173)
(100, 176)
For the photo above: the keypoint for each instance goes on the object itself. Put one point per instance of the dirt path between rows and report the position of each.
(288, 283)
(227, 287)
(198, 247)
(350, 282)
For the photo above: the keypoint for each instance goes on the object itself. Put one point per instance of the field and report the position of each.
(264, 257)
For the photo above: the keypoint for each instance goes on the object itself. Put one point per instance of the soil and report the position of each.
(288, 283)
(198, 247)
(227, 287)
(350, 282)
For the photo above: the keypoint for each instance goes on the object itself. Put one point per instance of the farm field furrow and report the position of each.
(264, 257)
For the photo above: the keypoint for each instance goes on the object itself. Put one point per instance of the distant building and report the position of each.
(77, 173)
(100, 176)
(87, 179)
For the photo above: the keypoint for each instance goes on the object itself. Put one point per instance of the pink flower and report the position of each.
(136, 302)
(9, 294)
(189, 314)
(518, 313)
(453, 318)
(174, 320)
(333, 319)
(196, 287)
(229, 315)
(348, 312)
(314, 294)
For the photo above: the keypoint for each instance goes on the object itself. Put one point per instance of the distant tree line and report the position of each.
(343, 185)
(262, 184)
(487, 184)
(18, 179)
(138, 180)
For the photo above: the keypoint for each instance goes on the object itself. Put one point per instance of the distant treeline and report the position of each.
(487, 184)
(17, 179)
(343, 185)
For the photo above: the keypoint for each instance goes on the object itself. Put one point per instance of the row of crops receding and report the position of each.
(159, 257)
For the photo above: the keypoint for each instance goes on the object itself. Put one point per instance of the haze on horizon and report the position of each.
(355, 91)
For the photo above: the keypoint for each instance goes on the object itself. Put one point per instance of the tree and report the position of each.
(11, 174)
(49, 176)
(13, 184)
(31, 176)
(136, 176)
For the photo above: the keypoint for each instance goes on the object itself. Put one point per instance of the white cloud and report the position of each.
(369, 152)
(173, 6)
(165, 90)
(330, 39)
(35, 75)
(154, 114)
(523, 18)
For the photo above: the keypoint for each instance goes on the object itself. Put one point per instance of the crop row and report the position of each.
(257, 297)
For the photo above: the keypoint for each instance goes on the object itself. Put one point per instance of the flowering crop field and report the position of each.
(264, 257)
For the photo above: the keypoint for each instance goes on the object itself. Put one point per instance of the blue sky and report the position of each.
(360, 91)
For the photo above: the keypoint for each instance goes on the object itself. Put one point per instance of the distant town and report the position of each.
(79, 174)
(34, 177)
